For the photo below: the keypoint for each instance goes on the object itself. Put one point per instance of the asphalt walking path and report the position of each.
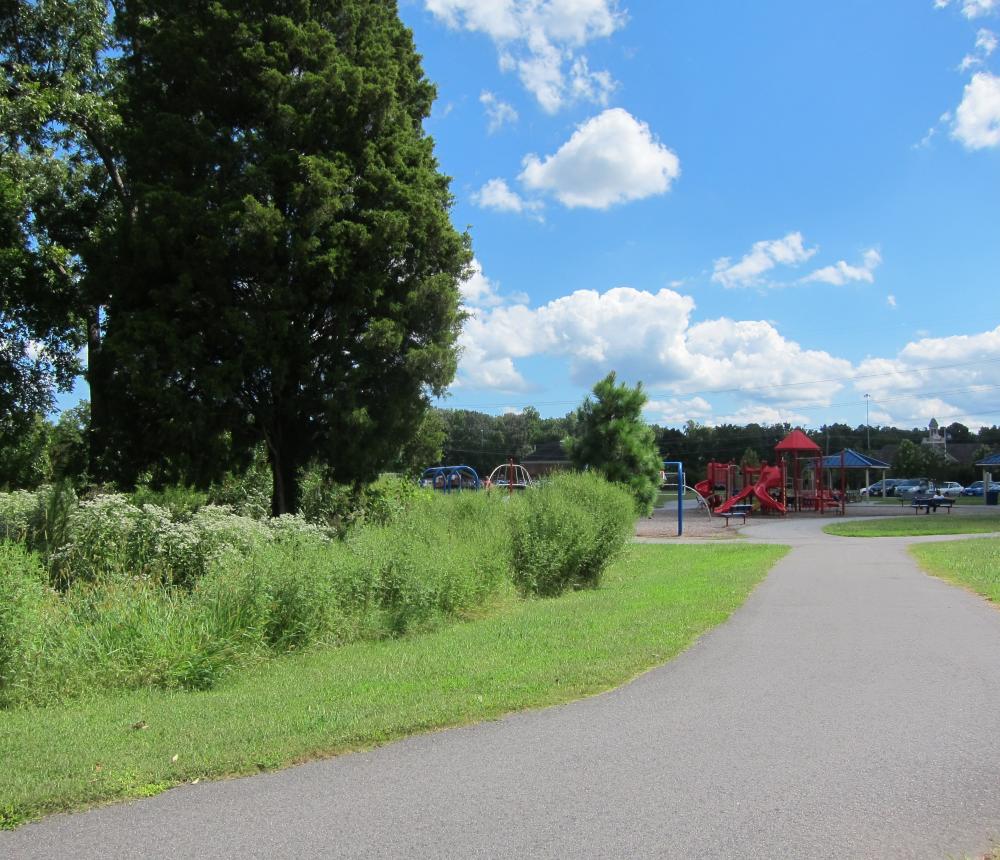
(850, 709)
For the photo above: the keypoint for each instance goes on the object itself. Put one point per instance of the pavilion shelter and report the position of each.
(799, 447)
(854, 460)
(989, 465)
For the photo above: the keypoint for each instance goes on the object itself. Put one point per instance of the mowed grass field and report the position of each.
(939, 523)
(653, 604)
(972, 563)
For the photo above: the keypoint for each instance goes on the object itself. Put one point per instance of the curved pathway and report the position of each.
(850, 709)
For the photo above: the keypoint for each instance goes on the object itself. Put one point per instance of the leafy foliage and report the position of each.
(60, 189)
(614, 438)
(146, 598)
(568, 531)
(291, 271)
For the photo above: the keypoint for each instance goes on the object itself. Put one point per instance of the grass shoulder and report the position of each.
(934, 524)
(653, 604)
(974, 564)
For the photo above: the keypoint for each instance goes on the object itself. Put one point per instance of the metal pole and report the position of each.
(680, 493)
(868, 426)
(680, 499)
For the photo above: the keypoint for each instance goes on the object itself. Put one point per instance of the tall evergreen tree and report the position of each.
(614, 438)
(291, 269)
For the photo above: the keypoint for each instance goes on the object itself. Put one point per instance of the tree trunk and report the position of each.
(96, 432)
(285, 492)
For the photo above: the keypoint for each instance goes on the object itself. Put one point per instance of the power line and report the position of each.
(754, 389)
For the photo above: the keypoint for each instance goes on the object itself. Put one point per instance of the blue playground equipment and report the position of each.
(449, 478)
(678, 473)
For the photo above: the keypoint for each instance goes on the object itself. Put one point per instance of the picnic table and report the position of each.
(932, 504)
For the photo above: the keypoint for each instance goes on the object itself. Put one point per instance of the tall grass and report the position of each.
(135, 597)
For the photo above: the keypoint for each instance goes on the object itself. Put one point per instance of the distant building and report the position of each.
(937, 439)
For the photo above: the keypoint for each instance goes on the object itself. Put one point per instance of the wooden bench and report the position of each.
(737, 511)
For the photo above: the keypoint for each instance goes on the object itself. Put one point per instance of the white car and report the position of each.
(951, 489)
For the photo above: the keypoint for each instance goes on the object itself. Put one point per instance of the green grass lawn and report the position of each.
(919, 524)
(540, 652)
(973, 563)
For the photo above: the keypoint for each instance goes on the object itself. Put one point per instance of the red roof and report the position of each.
(797, 441)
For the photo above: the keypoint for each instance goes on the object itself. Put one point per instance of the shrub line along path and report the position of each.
(851, 708)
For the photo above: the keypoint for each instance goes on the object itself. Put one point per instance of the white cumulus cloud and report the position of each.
(977, 119)
(986, 44)
(972, 8)
(677, 410)
(498, 112)
(647, 336)
(542, 40)
(496, 194)
(762, 257)
(477, 290)
(611, 158)
(841, 272)
(949, 378)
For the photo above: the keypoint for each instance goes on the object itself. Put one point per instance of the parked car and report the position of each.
(976, 488)
(880, 487)
(951, 489)
(913, 487)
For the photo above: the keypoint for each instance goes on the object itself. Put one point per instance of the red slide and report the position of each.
(770, 477)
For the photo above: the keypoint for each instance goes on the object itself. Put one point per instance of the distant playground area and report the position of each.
(801, 481)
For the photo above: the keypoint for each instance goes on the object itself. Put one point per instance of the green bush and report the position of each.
(247, 493)
(567, 531)
(147, 599)
(442, 556)
(179, 500)
(18, 512)
(110, 538)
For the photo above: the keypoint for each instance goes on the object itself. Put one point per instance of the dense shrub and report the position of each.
(110, 538)
(40, 518)
(17, 513)
(149, 599)
(247, 493)
(440, 556)
(180, 501)
(567, 531)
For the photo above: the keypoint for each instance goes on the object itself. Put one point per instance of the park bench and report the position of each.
(932, 504)
(737, 511)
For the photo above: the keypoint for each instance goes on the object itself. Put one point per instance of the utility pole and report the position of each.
(868, 426)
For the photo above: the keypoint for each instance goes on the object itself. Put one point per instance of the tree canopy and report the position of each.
(614, 438)
(237, 202)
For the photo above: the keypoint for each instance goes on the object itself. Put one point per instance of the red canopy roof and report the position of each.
(797, 441)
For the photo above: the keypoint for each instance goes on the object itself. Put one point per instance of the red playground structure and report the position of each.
(770, 478)
(728, 485)
(779, 488)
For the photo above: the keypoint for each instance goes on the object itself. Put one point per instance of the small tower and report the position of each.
(935, 436)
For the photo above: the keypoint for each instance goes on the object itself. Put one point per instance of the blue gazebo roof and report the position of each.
(992, 460)
(853, 460)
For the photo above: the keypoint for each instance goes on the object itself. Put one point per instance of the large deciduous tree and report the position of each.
(61, 192)
(614, 438)
(290, 273)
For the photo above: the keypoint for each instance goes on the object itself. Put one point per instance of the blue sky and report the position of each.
(763, 211)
